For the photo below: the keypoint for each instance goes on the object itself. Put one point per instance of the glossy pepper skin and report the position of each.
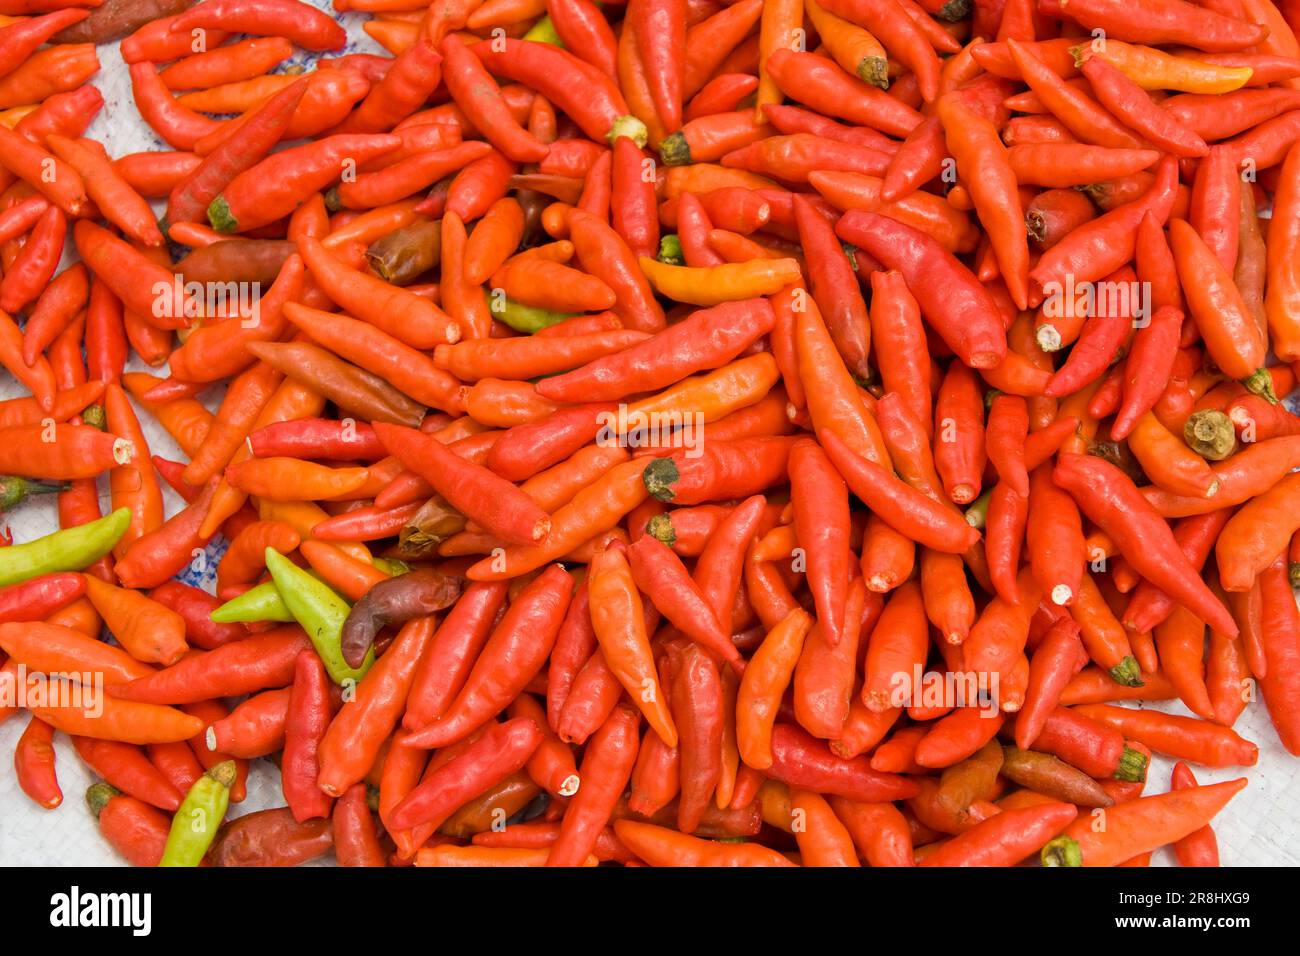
(1108, 497)
(626, 398)
(320, 611)
(950, 297)
(195, 825)
(305, 725)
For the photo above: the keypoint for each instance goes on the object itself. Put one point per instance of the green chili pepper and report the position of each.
(543, 31)
(195, 825)
(14, 490)
(321, 613)
(260, 603)
(524, 318)
(68, 550)
(978, 512)
(670, 251)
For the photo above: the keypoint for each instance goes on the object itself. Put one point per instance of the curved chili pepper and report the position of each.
(1166, 21)
(664, 579)
(510, 657)
(1101, 246)
(577, 89)
(393, 601)
(273, 187)
(306, 26)
(965, 315)
(356, 733)
(1230, 333)
(914, 514)
(1109, 498)
(802, 761)
(504, 749)
(34, 764)
(443, 670)
(188, 201)
(1245, 547)
(27, 160)
(305, 726)
(241, 667)
(415, 321)
(764, 682)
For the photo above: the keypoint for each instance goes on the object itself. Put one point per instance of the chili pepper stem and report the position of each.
(1061, 851)
(15, 490)
(631, 127)
(1128, 673)
(1132, 765)
(1210, 434)
(1260, 382)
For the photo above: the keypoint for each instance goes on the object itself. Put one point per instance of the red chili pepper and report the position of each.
(495, 503)
(188, 201)
(34, 764)
(605, 770)
(1183, 737)
(584, 30)
(513, 654)
(581, 91)
(305, 725)
(501, 751)
(243, 667)
(356, 733)
(1099, 247)
(801, 760)
(195, 607)
(660, 27)
(132, 827)
(126, 767)
(909, 511)
(963, 313)
(475, 92)
(665, 580)
(303, 24)
(1164, 21)
(1196, 535)
(1279, 626)
(1107, 496)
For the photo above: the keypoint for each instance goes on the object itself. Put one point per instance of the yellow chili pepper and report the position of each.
(729, 282)
(714, 394)
(302, 516)
(1154, 70)
(11, 117)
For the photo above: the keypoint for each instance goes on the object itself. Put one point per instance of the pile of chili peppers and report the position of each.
(671, 433)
